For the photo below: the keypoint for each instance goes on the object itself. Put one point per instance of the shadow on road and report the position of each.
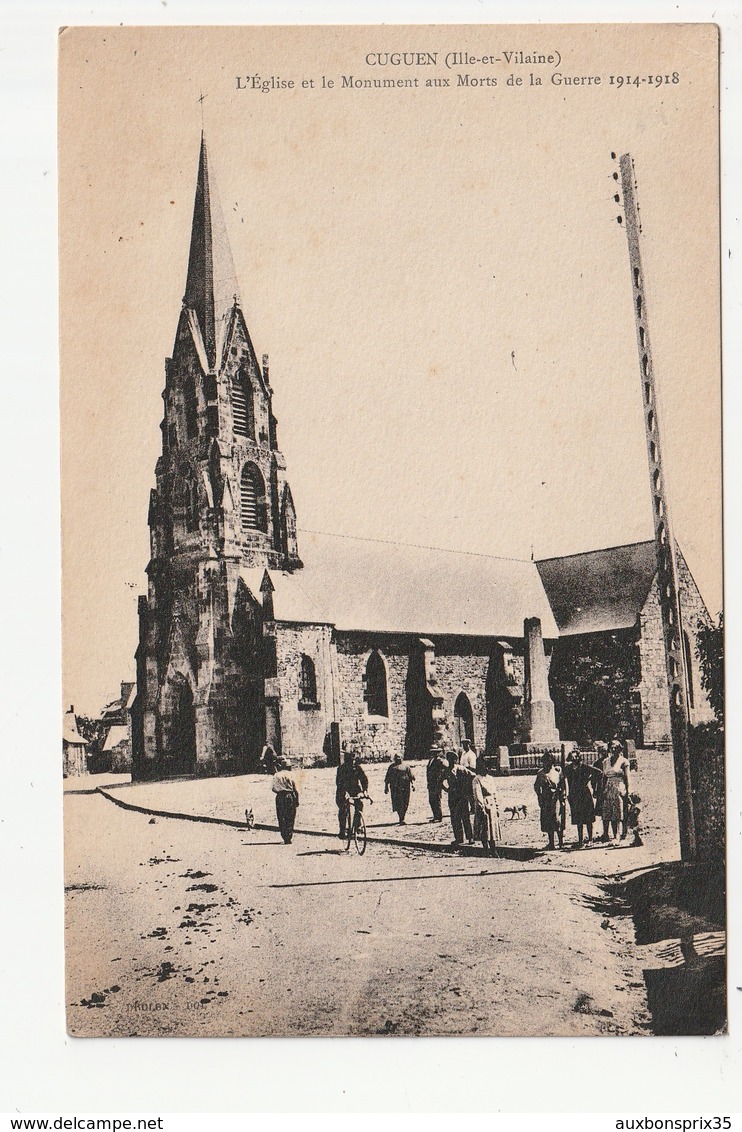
(683, 909)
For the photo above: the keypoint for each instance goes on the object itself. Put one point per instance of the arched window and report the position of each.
(252, 499)
(308, 681)
(377, 700)
(243, 409)
(687, 653)
(463, 718)
(190, 405)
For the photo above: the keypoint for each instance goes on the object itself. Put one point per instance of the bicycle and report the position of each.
(355, 826)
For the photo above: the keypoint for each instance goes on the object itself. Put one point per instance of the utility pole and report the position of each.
(667, 574)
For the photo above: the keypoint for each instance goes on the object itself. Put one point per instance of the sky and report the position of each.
(436, 273)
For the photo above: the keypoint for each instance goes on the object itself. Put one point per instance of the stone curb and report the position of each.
(513, 854)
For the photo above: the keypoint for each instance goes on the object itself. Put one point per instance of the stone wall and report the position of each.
(377, 738)
(305, 725)
(693, 610)
(653, 684)
(466, 672)
(461, 665)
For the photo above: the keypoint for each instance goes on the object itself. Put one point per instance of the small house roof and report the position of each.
(70, 733)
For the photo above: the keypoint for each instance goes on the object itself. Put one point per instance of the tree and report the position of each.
(92, 730)
(710, 652)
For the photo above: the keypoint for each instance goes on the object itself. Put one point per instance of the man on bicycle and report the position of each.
(350, 781)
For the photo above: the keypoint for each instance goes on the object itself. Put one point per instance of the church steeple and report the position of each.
(221, 504)
(211, 284)
(221, 482)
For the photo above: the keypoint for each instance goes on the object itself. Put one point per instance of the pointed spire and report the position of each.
(266, 591)
(211, 285)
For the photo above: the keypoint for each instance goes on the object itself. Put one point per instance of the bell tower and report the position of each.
(221, 502)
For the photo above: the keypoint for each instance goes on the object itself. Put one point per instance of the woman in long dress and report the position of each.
(616, 789)
(551, 791)
(486, 812)
(582, 782)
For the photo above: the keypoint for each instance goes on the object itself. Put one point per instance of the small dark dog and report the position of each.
(249, 818)
(517, 812)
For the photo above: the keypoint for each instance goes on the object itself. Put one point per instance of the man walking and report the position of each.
(458, 800)
(437, 773)
(287, 800)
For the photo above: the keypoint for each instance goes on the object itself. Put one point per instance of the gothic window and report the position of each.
(243, 411)
(253, 509)
(308, 681)
(190, 405)
(377, 700)
(463, 718)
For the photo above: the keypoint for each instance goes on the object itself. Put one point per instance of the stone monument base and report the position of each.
(537, 749)
(525, 758)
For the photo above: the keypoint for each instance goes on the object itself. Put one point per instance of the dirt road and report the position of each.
(183, 928)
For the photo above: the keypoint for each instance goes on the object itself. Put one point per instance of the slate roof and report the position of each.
(388, 587)
(599, 589)
(116, 734)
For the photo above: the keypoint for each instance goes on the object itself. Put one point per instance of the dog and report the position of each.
(517, 812)
(249, 818)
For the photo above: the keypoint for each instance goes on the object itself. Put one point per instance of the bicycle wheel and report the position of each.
(348, 830)
(359, 835)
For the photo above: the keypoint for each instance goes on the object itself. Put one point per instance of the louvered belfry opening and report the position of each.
(241, 405)
(252, 502)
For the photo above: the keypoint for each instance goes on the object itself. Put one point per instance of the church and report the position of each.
(250, 633)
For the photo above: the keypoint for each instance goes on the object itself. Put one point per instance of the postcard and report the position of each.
(392, 527)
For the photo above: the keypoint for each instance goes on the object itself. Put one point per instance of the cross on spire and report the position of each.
(200, 100)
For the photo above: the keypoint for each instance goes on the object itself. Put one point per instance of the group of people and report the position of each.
(471, 795)
(602, 790)
(464, 776)
(470, 788)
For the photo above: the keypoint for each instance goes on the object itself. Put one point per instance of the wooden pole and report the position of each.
(667, 575)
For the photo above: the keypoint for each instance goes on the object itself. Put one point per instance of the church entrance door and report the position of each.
(182, 753)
